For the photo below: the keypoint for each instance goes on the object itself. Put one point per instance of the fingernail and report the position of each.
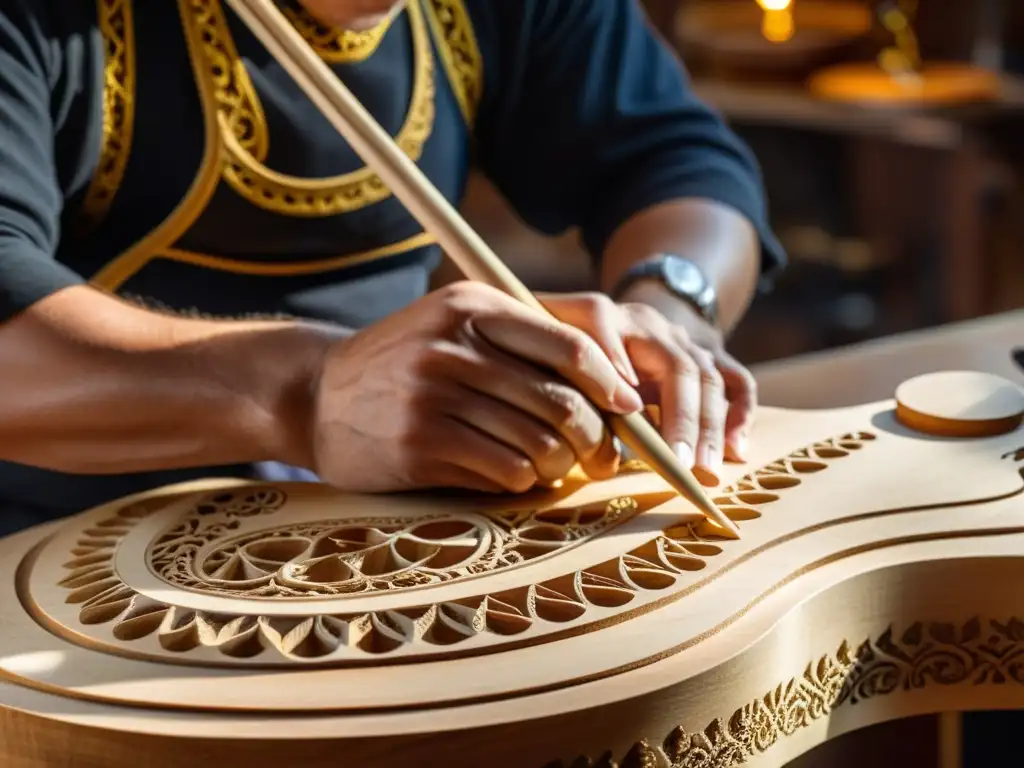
(709, 459)
(627, 399)
(623, 364)
(739, 445)
(685, 454)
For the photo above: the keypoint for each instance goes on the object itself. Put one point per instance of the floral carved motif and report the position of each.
(360, 555)
(976, 652)
(205, 551)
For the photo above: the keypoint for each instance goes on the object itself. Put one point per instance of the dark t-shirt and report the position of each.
(156, 150)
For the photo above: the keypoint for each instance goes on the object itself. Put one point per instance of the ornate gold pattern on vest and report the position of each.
(337, 46)
(245, 136)
(117, 272)
(116, 25)
(212, 73)
(460, 51)
(293, 268)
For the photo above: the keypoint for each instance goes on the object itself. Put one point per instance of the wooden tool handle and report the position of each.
(465, 247)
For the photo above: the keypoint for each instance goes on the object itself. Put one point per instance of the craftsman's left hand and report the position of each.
(706, 398)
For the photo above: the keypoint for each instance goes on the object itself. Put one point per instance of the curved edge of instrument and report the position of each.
(915, 628)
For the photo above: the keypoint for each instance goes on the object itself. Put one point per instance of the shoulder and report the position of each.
(540, 39)
(545, 46)
(52, 57)
(42, 33)
(53, 45)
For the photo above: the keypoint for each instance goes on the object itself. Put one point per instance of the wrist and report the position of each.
(682, 278)
(100, 386)
(274, 389)
(677, 311)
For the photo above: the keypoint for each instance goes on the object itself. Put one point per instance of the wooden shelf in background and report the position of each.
(793, 107)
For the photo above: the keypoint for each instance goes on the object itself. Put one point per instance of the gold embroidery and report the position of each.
(117, 272)
(460, 52)
(116, 25)
(211, 72)
(244, 131)
(292, 268)
(337, 46)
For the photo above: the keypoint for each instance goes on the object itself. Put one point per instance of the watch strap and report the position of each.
(705, 305)
(644, 270)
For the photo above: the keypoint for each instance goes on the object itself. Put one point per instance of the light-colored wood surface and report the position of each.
(873, 370)
(870, 370)
(270, 625)
(960, 404)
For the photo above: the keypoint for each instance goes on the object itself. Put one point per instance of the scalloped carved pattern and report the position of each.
(687, 547)
(658, 565)
(977, 652)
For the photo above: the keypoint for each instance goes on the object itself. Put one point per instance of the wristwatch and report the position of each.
(681, 277)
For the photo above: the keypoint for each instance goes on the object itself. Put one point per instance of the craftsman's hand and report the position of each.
(705, 397)
(469, 388)
(740, 385)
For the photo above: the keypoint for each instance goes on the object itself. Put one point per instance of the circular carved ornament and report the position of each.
(279, 574)
(228, 610)
(219, 588)
(240, 575)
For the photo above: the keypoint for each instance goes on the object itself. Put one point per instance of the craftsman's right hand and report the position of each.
(465, 388)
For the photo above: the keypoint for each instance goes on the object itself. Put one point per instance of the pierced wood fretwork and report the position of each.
(204, 552)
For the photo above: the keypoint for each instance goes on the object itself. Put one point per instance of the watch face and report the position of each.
(684, 277)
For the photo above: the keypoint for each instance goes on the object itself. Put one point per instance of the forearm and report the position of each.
(93, 385)
(714, 236)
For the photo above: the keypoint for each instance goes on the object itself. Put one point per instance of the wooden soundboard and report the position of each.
(879, 575)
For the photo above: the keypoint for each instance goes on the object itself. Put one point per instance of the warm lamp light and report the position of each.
(777, 22)
(899, 77)
(903, 58)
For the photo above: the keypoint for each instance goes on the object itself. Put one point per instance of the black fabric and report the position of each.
(589, 118)
(34, 111)
(586, 118)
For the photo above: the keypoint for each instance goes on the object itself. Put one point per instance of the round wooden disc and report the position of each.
(960, 404)
(940, 84)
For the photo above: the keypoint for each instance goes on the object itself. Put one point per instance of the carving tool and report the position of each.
(465, 247)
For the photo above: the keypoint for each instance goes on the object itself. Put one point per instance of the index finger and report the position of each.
(570, 352)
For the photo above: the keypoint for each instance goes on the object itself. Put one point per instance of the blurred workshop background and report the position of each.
(890, 138)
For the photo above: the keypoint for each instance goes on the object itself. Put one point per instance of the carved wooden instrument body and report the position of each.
(879, 575)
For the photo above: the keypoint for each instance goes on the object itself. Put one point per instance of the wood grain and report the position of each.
(268, 624)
